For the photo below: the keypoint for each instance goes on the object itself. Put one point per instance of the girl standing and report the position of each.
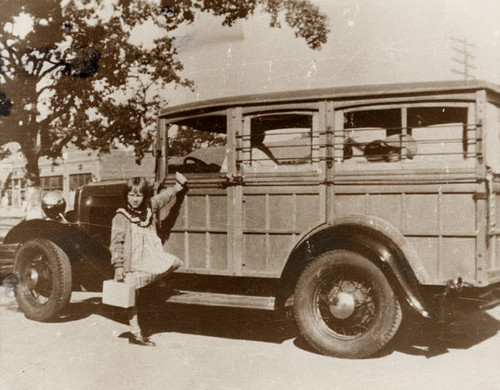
(136, 250)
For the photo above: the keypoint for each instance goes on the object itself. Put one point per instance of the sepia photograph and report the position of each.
(249, 194)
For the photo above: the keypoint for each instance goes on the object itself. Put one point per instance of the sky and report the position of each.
(370, 42)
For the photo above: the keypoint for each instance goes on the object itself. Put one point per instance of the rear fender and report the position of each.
(372, 237)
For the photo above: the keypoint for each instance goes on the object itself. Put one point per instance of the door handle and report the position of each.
(231, 180)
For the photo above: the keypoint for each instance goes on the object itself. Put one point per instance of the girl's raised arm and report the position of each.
(167, 196)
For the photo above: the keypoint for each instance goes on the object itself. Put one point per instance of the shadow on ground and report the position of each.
(463, 330)
(416, 336)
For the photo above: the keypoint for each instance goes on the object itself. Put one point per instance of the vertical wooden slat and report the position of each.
(335, 125)
(186, 233)
(316, 141)
(402, 215)
(440, 232)
(471, 131)
(207, 234)
(294, 212)
(404, 131)
(268, 227)
(321, 127)
(162, 148)
(480, 115)
(234, 194)
(404, 219)
(482, 201)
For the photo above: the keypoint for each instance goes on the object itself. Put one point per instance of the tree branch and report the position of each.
(13, 56)
(45, 88)
(50, 70)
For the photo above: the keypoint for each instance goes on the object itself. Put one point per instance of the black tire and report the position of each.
(345, 307)
(44, 273)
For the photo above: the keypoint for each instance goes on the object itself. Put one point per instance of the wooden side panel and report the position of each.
(175, 245)
(253, 216)
(199, 236)
(428, 250)
(458, 214)
(387, 207)
(349, 204)
(198, 248)
(217, 251)
(438, 220)
(307, 211)
(457, 257)
(421, 214)
(273, 220)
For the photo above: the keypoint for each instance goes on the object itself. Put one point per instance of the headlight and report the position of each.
(53, 204)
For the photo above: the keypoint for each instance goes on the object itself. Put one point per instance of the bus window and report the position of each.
(440, 133)
(197, 145)
(433, 133)
(367, 133)
(280, 139)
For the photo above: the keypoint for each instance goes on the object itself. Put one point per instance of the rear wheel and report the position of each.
(44, 273)
(345, 306)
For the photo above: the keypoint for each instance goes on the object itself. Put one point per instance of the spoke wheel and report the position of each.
(44, 273)
(344, 305)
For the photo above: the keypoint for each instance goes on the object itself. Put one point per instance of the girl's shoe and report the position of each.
(140, 340)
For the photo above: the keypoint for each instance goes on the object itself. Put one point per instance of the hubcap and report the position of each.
(38, 279)
(33, 277)
(342, 305)
(345, 302)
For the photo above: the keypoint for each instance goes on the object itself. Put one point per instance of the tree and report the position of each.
(75, 77)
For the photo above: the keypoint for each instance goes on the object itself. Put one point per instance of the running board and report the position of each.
(224, 300)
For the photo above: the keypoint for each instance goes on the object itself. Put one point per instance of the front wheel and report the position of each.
(44, 273)
(345, 307)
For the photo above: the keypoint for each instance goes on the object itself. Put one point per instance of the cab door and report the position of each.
(280, 158)
(199, 228)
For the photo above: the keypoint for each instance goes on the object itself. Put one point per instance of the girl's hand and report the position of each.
(180, 178)
(119, 274)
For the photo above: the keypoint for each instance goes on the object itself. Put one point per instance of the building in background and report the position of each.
(67, 174)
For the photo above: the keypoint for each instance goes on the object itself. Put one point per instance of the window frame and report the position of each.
(86, 176)
(49, 179)
(244, 151)
(339, 136)
(175, 121)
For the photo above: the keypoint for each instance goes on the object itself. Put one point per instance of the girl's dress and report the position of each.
(135, 245)
(149, 261)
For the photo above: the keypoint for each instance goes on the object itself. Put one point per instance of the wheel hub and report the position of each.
(343, 305)
(33, 277)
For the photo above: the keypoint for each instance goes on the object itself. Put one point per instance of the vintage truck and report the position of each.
(352, 205)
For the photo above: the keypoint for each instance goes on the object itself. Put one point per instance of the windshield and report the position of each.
(197, 145)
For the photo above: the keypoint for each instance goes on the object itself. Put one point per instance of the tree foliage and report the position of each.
(77, 77)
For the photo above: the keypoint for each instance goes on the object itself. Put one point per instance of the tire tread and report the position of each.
(55, 305)
(350, 349)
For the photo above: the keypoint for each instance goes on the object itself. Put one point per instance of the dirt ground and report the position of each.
(212, 348)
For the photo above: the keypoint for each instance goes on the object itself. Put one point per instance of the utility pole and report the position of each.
(463, 56)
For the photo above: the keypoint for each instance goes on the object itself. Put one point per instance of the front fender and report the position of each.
(68, 236)
(35, 228)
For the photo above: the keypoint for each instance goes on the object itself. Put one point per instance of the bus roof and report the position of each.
(360, 91)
